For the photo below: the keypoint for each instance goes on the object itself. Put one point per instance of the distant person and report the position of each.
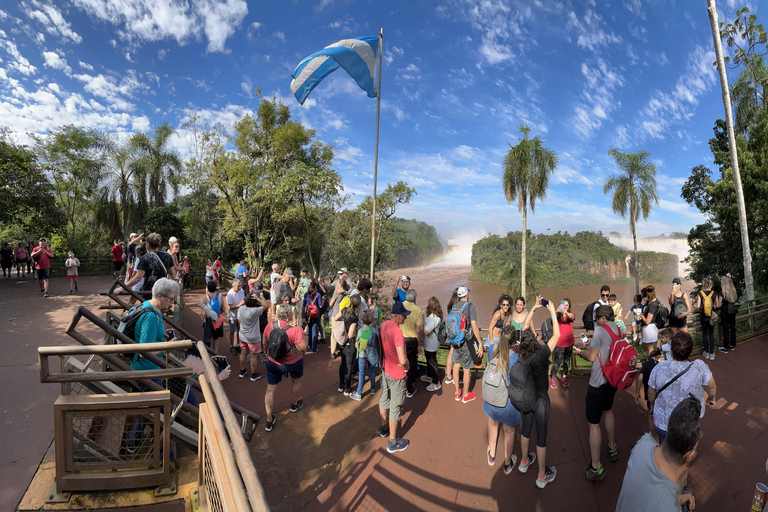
(210, 271)
(6, 259)
(673, 381)
(42, 255)
(519, 316)
(242, 271)
(561, 356)
(301, 290)
(254, 278)
(536, 354)
(461, 355)
(341, 290)
(506, 417)
(378, 314)
(394, 365)
(449, 360)
(154, 265)
(364, 285)
(728, 311)
(401, 288)
(219, 269)
(349, 319)
(235, 300)
(117, 259)
(635, 314)
(291, 365)
(141, 251)
(430, 343)
(605, 293)
(366, 357)
(652, 308)
(413, 332)
(21, 258)
(214, 329)
(285, 286)
(618, 312)
(313, 304)
(133, 241)
(249, 316)
(186, 268)
(501, 316)
(600, 393)
(679, 307)
(656, 474)
(72, 265)
(274, 277)
(707, 301)
(341, 274)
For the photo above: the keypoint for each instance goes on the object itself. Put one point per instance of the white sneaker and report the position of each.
(426, 378)
(434, 387)
(634, 337)
(705, 355)
(712, 356)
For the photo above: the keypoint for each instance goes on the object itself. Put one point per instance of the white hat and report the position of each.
(462, 291)
(342, 270)
(172, 240)
(133, 235)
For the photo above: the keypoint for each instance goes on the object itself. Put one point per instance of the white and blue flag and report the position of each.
(357, 56)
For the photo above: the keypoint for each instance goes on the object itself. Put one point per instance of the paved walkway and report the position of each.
(328, 456)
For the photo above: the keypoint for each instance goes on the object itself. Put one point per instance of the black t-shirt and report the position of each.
(153, 269)
(645, 371)
(539, 367)
(6, 254)
(263, 321)
(652, 309)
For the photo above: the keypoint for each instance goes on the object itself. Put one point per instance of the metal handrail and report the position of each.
(241, 455)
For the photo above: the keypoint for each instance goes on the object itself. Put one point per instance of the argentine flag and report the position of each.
(357, 56)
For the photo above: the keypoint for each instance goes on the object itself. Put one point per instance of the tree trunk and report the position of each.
(734, 156)
(522, 256)
(637, 266)
(309, 245)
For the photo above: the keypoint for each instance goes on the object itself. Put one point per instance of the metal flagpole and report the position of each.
(376, 157)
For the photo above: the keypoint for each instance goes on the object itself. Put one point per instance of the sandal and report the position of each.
(512, 461)
(491, 460)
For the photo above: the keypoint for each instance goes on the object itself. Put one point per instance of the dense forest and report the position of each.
(423, 243)
(561, 260)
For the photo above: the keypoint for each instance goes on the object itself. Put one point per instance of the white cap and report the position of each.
(133, 235)
(342, 270)
(462, 291)
(172, 240)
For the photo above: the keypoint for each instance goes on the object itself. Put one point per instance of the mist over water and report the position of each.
(676, 246)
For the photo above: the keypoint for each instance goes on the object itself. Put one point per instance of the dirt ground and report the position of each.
(328, 456)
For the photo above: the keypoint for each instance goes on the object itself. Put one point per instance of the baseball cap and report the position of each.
(257, 286)
(288, 272)
(42, 240)
(462, 291)
(172, 240)
(676, 281)
(342, 270)
(132, 235)
(404, 278)
(399, 309)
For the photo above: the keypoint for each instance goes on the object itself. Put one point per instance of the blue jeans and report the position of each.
(315, 328)
(362, 361)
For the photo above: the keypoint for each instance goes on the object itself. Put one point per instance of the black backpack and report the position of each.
(588, 317)
(442, 333)
(277, 346)
(546, 330)
(521, 388)
(662, 316)
(128, 322)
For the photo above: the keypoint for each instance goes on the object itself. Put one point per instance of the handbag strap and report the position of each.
(665, 386)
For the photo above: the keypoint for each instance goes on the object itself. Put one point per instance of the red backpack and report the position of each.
(621, 367)
(313, 311)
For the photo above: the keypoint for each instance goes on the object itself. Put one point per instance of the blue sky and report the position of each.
(459, 77)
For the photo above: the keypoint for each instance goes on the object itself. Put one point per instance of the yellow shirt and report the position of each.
(413, 322)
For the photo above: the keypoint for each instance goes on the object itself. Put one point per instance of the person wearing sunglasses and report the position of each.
(502, 316)
(605, 292)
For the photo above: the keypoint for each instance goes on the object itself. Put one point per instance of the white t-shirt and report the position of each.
(137, 286)
(71, 265)
(430, 343)
(692, 382)
(233, 299)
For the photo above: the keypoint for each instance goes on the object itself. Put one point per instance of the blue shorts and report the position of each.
(43, 273)
(275, 372)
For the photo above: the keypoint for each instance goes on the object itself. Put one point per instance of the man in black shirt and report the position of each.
(154, 265)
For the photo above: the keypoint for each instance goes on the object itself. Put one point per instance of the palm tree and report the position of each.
(527, 168)
(634, 191)
(121, 184)
(161, 167)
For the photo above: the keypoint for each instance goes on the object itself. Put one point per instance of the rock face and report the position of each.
(562, 260)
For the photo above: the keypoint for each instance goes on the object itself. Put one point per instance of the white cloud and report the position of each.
(51, 18)
(18, 61)
(85, 65)
(3, 14)
(499, 25)
(279, 35)
(591, 34)
(113, 90)
(155, 20)
(597, 99)
(54, 60)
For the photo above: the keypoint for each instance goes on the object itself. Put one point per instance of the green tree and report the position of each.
(634, 192)
(527, 168)
(121, 199)
(160, 167)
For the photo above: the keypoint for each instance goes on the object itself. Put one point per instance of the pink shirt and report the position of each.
(566, 332)
(295, 336)
(391, 339)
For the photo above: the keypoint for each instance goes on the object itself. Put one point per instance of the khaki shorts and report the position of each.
(392, 395)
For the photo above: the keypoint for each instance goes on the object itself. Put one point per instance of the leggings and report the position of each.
(707, 335)
(729, 330)
(432, 366)
(347, 358)
(541, 414)
(561, 357)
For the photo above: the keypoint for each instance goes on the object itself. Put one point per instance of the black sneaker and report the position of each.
(298, 405)
(242, 373)
(724, 350)
(340, 389)
(255, 376)
(410, 393)
(235, 350)
(384, 431)
(594, 475)
(270, 424)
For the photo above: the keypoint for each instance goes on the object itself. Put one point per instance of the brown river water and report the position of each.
(440, 279)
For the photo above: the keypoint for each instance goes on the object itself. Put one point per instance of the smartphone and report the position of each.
(544, 302)
(562, 305)
(584, 338)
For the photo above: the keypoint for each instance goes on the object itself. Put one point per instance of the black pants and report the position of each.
(411, 352)
(707, 334)
(540, 414)
(347, 359)
(432, 366)
(729, 330)
(561, 356)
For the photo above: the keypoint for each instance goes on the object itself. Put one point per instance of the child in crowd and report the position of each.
(618, 312)
(72, 264)
(636, 312)
(665, 351)
(363, 352)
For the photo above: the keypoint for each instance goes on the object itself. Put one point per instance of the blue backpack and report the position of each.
(456, 325)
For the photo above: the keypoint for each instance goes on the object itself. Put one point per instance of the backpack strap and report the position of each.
(665, 386)
(613, 340)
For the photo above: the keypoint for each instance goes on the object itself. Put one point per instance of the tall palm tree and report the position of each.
(634, 191)
(527, 168)
(121, 185)
(161, 167)
(747, 255)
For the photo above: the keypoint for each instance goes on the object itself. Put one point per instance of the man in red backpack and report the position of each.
(600, 393)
